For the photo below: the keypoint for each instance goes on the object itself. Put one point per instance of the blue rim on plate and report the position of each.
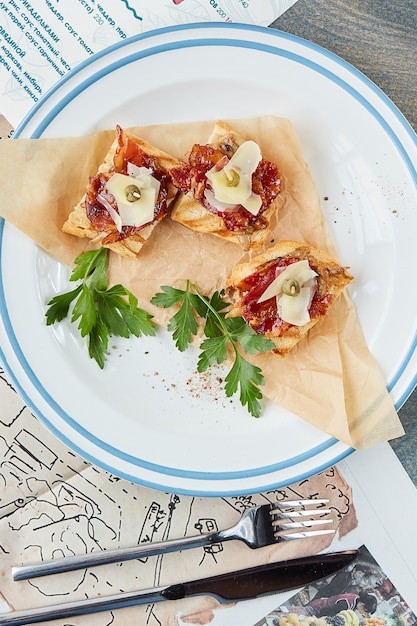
(41, 127)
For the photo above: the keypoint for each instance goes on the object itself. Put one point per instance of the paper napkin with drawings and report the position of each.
(330, 379)
(66, 506)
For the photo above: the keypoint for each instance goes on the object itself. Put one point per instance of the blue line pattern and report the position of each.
(138, 17)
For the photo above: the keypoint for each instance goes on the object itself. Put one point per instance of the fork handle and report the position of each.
(71, 563)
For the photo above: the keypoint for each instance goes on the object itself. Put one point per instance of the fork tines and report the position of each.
(291, 519)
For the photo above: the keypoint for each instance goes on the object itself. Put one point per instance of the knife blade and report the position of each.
(238, 585)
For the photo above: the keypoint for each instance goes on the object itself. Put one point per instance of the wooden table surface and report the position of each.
(379, 38)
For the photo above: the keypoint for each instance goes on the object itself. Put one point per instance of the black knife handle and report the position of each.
(261, 580)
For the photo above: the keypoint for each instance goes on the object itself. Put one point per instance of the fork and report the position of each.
(258, 527)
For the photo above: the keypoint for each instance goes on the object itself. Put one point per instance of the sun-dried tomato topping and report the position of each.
(191, 176)
(127, 151)
(263, 317)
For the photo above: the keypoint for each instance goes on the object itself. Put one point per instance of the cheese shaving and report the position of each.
(294, 307)
(232, 184)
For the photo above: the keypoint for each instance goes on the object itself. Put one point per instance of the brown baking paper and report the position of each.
(330, 379)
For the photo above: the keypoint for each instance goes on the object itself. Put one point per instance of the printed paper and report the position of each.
(41, 40)
(359, 594)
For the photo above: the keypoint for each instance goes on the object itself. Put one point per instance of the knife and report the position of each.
(231, 587)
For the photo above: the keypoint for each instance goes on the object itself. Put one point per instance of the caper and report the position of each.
(232, 178)
(132, 193)
(291, 287)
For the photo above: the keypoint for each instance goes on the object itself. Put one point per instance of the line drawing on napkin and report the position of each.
(54, 503)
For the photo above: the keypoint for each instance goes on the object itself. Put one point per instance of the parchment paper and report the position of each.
(330, 379)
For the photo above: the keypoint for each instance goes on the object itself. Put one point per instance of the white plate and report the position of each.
(140, 418)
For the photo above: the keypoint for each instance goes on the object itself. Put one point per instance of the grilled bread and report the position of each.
(227, 189)
(128, 196)
(285, 291)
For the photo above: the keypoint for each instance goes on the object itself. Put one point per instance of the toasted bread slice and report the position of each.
(248, 282)
(91, 219)
(194, 211)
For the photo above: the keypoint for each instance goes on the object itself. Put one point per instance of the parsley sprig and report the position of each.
(221, 333)
(101, 311)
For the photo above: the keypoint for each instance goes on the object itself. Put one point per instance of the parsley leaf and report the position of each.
(222, 333)
(247, 377)
(100, 311)
(183, 324)
(213, 350)
(60, 306)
